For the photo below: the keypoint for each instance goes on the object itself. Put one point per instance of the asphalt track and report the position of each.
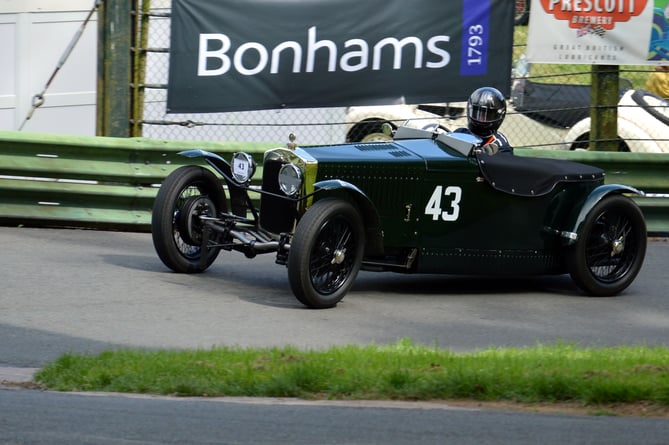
(87, 291)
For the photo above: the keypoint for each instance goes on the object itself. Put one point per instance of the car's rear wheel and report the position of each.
(370, 131)
(326, 253)
(583, 143)
(611, 247)
(176, 228)
(376, 136)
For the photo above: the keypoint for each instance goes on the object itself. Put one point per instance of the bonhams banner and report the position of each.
(599, 32)
(228, 55)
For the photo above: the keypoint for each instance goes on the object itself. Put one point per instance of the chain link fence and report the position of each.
(550, 104)
(312, 126)
(546, 102)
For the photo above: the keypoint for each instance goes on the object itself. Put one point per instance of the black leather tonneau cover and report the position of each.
(527, 176)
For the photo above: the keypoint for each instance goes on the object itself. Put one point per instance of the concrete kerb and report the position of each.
(11, 375)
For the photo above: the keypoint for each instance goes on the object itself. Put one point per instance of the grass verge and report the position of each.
(402, 371)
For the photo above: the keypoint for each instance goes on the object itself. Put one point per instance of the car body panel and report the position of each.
(429, 196)
(387, 173)
(593, 198)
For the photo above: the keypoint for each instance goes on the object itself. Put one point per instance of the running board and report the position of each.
(390, 264)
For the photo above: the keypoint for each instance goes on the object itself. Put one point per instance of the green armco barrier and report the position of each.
(88, 181)
(102, 182)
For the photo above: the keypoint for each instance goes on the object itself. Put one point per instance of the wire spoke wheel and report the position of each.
(611, 248)
(176, 227)
(330, 264)
(188, 227)
(326, 253)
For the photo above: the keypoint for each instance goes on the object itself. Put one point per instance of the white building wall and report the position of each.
(34, 35)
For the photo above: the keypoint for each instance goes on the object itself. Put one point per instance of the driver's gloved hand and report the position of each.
(490, 149)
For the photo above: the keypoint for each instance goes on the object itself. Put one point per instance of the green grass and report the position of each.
(402, 371)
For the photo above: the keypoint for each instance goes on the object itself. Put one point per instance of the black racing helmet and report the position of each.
(486, 109)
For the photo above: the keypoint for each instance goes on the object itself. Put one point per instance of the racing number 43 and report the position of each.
(444, 203)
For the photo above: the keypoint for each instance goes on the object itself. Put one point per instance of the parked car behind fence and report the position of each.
(643, 125)
(364, 124)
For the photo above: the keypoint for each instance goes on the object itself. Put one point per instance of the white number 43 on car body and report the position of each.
(435, 208)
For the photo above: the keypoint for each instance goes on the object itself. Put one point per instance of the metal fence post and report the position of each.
(604, 108)
(142, 9)
(115, 36)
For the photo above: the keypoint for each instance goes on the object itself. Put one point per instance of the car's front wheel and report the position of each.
(611, 247)
(326, 253)
(187, 193)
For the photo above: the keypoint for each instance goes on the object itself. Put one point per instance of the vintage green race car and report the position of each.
(425, 202)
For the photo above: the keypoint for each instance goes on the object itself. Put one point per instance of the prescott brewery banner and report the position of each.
(230, 55)
(599, 32)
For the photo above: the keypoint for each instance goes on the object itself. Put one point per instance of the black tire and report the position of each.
(611, 247)
(187, 192)
(326, 253)
(522, 16)
(583, 142)
(652, 104)
(370, 131)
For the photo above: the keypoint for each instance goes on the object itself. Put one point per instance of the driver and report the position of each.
(486, 108)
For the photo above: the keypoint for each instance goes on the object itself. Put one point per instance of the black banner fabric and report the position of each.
(232, 55)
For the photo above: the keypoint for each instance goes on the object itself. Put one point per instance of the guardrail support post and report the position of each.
(604, 108)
